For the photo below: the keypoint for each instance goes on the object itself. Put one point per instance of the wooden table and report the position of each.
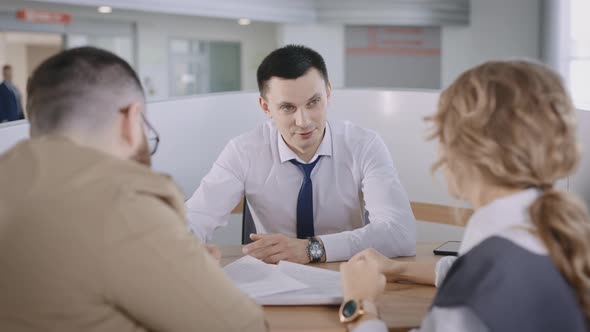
(402, 306)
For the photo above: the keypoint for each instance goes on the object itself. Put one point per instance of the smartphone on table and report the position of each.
(449, 248)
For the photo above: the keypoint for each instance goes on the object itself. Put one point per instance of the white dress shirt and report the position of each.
(507, 217)
(354, 177)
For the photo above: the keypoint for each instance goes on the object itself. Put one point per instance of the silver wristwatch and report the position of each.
(315, 250)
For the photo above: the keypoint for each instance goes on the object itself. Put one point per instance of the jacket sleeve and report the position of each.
(157, 273)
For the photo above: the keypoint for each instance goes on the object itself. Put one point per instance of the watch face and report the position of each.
(349, 308)
(316, 250)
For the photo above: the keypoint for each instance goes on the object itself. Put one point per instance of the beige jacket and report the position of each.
(93, 243)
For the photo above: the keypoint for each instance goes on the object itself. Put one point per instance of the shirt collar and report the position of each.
(325, 148)
(10, 86)
(498, 216)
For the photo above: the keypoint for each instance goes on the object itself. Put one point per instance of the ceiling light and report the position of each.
(244, 21)
(105, 9)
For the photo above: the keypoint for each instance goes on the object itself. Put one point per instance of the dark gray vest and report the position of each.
(511, 289)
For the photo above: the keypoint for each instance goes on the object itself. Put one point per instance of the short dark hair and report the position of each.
(289, 62)
(6, 67)
(83, 86)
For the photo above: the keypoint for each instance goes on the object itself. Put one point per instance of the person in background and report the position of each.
(91, 239)
(318, 190)
(506, 132)
(10, 98)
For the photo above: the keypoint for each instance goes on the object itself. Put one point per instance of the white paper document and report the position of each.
(286, 283)
(256, 278)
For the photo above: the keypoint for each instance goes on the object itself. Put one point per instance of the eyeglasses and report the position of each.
(152, 135)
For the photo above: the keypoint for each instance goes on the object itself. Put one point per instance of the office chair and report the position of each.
(248, 226)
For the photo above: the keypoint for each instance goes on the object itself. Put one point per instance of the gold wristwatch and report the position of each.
(352, 310)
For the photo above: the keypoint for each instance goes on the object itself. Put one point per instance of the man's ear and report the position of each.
(264, 106)
(131, 126)
(328, 91)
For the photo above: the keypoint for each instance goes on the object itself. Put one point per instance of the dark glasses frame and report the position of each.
(152, 135)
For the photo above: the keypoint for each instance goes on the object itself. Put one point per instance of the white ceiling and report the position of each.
(365, 12)
(261, 10)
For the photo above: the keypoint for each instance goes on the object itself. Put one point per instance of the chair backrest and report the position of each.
(248, 226)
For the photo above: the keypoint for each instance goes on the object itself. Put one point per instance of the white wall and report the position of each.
(497, 29)
(257, 40)
(396, 115)
(16, 56)
(555, 44)
(194, 131)
(3, 48)
(155, 30)
(327, 39)
(393, 57)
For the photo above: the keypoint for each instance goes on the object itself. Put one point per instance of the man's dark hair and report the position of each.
(6, 67)
(80, 88)
(289, 62)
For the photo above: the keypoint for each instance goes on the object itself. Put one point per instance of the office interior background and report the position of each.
(187, 51)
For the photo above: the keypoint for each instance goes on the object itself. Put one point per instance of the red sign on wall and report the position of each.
(43, 16)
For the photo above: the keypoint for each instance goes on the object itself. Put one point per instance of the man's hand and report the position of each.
(272, 248)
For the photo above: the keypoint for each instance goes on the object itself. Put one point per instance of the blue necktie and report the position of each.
(305, 201)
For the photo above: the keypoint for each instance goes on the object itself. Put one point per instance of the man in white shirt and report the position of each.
(304, 176)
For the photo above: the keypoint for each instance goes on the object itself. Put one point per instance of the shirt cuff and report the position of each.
(371, 326)
(442, 268)
(336, 247)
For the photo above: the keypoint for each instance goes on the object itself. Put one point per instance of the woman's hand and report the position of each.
(390, 268)
(362, 280)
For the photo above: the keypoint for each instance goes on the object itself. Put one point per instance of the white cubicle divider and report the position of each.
(194, 130)
(11, 133)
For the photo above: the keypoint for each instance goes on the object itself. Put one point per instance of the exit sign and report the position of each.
(43, 16)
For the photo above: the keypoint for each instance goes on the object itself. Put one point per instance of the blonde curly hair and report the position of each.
(512, 124)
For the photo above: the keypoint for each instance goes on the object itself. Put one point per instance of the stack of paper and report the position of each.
(285, 283)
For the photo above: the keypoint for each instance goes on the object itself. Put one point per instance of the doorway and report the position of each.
(24, 51)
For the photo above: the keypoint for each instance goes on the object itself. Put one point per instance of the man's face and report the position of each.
(7, 74)
(298, 109)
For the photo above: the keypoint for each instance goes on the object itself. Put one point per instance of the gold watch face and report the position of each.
(349, 311)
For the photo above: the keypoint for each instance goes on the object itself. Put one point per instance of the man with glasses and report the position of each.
(90, 238)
